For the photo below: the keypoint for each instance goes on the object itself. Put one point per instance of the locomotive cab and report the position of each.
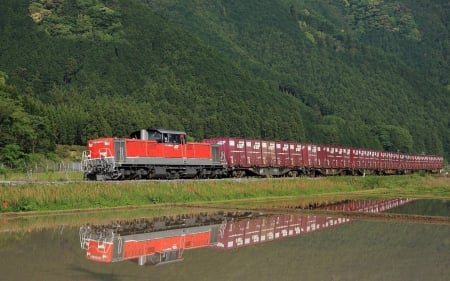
(160, 136)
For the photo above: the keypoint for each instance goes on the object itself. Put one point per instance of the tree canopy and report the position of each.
(370, 74)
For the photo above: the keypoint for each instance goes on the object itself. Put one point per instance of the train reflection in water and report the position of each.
(164, 240)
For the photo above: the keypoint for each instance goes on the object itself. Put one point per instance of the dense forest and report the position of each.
(365, 73)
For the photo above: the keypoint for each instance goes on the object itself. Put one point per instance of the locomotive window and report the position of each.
(166, 137)
(154, 135)
(174, 138)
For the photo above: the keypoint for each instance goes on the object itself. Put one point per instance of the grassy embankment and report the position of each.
(299, 192)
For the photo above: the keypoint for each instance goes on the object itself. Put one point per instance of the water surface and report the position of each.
(359, 250)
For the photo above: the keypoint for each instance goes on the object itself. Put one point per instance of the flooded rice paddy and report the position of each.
(295, 244)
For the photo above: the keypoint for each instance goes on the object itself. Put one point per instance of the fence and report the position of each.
(51, 167)
(56, 171)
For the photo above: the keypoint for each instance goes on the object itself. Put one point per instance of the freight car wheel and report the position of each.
(238, 174)
(291, 174)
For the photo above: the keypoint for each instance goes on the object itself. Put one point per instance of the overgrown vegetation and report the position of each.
(371, 74)
(83, 195)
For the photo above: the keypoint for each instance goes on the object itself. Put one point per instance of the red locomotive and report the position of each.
(164, 240)
(150, 154)
(165, 154)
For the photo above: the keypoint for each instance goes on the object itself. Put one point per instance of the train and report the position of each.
(163, 240)
(166, 154)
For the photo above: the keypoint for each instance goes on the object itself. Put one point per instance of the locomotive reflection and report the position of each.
(163, 240)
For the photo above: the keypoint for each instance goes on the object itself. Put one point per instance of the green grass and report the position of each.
(83, 195)
(39, 177)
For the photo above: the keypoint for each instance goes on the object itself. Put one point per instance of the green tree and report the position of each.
(394, 138)
(12, 156)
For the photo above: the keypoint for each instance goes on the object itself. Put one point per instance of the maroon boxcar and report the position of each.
(253, 157)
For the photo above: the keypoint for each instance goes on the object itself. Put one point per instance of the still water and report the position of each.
(49, 248)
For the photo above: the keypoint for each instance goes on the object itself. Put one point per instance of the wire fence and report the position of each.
(50, 167)
(55, 171)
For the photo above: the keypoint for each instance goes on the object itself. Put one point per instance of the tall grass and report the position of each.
(82, 195)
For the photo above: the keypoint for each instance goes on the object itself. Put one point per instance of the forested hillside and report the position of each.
(372, 73)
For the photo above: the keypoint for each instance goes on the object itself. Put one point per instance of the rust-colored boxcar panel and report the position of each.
(240, 152)
(232, 149)
(282, 154)
(252, 152)
(266, 156)
(295, 154)
(257, 158)
(336, 157)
